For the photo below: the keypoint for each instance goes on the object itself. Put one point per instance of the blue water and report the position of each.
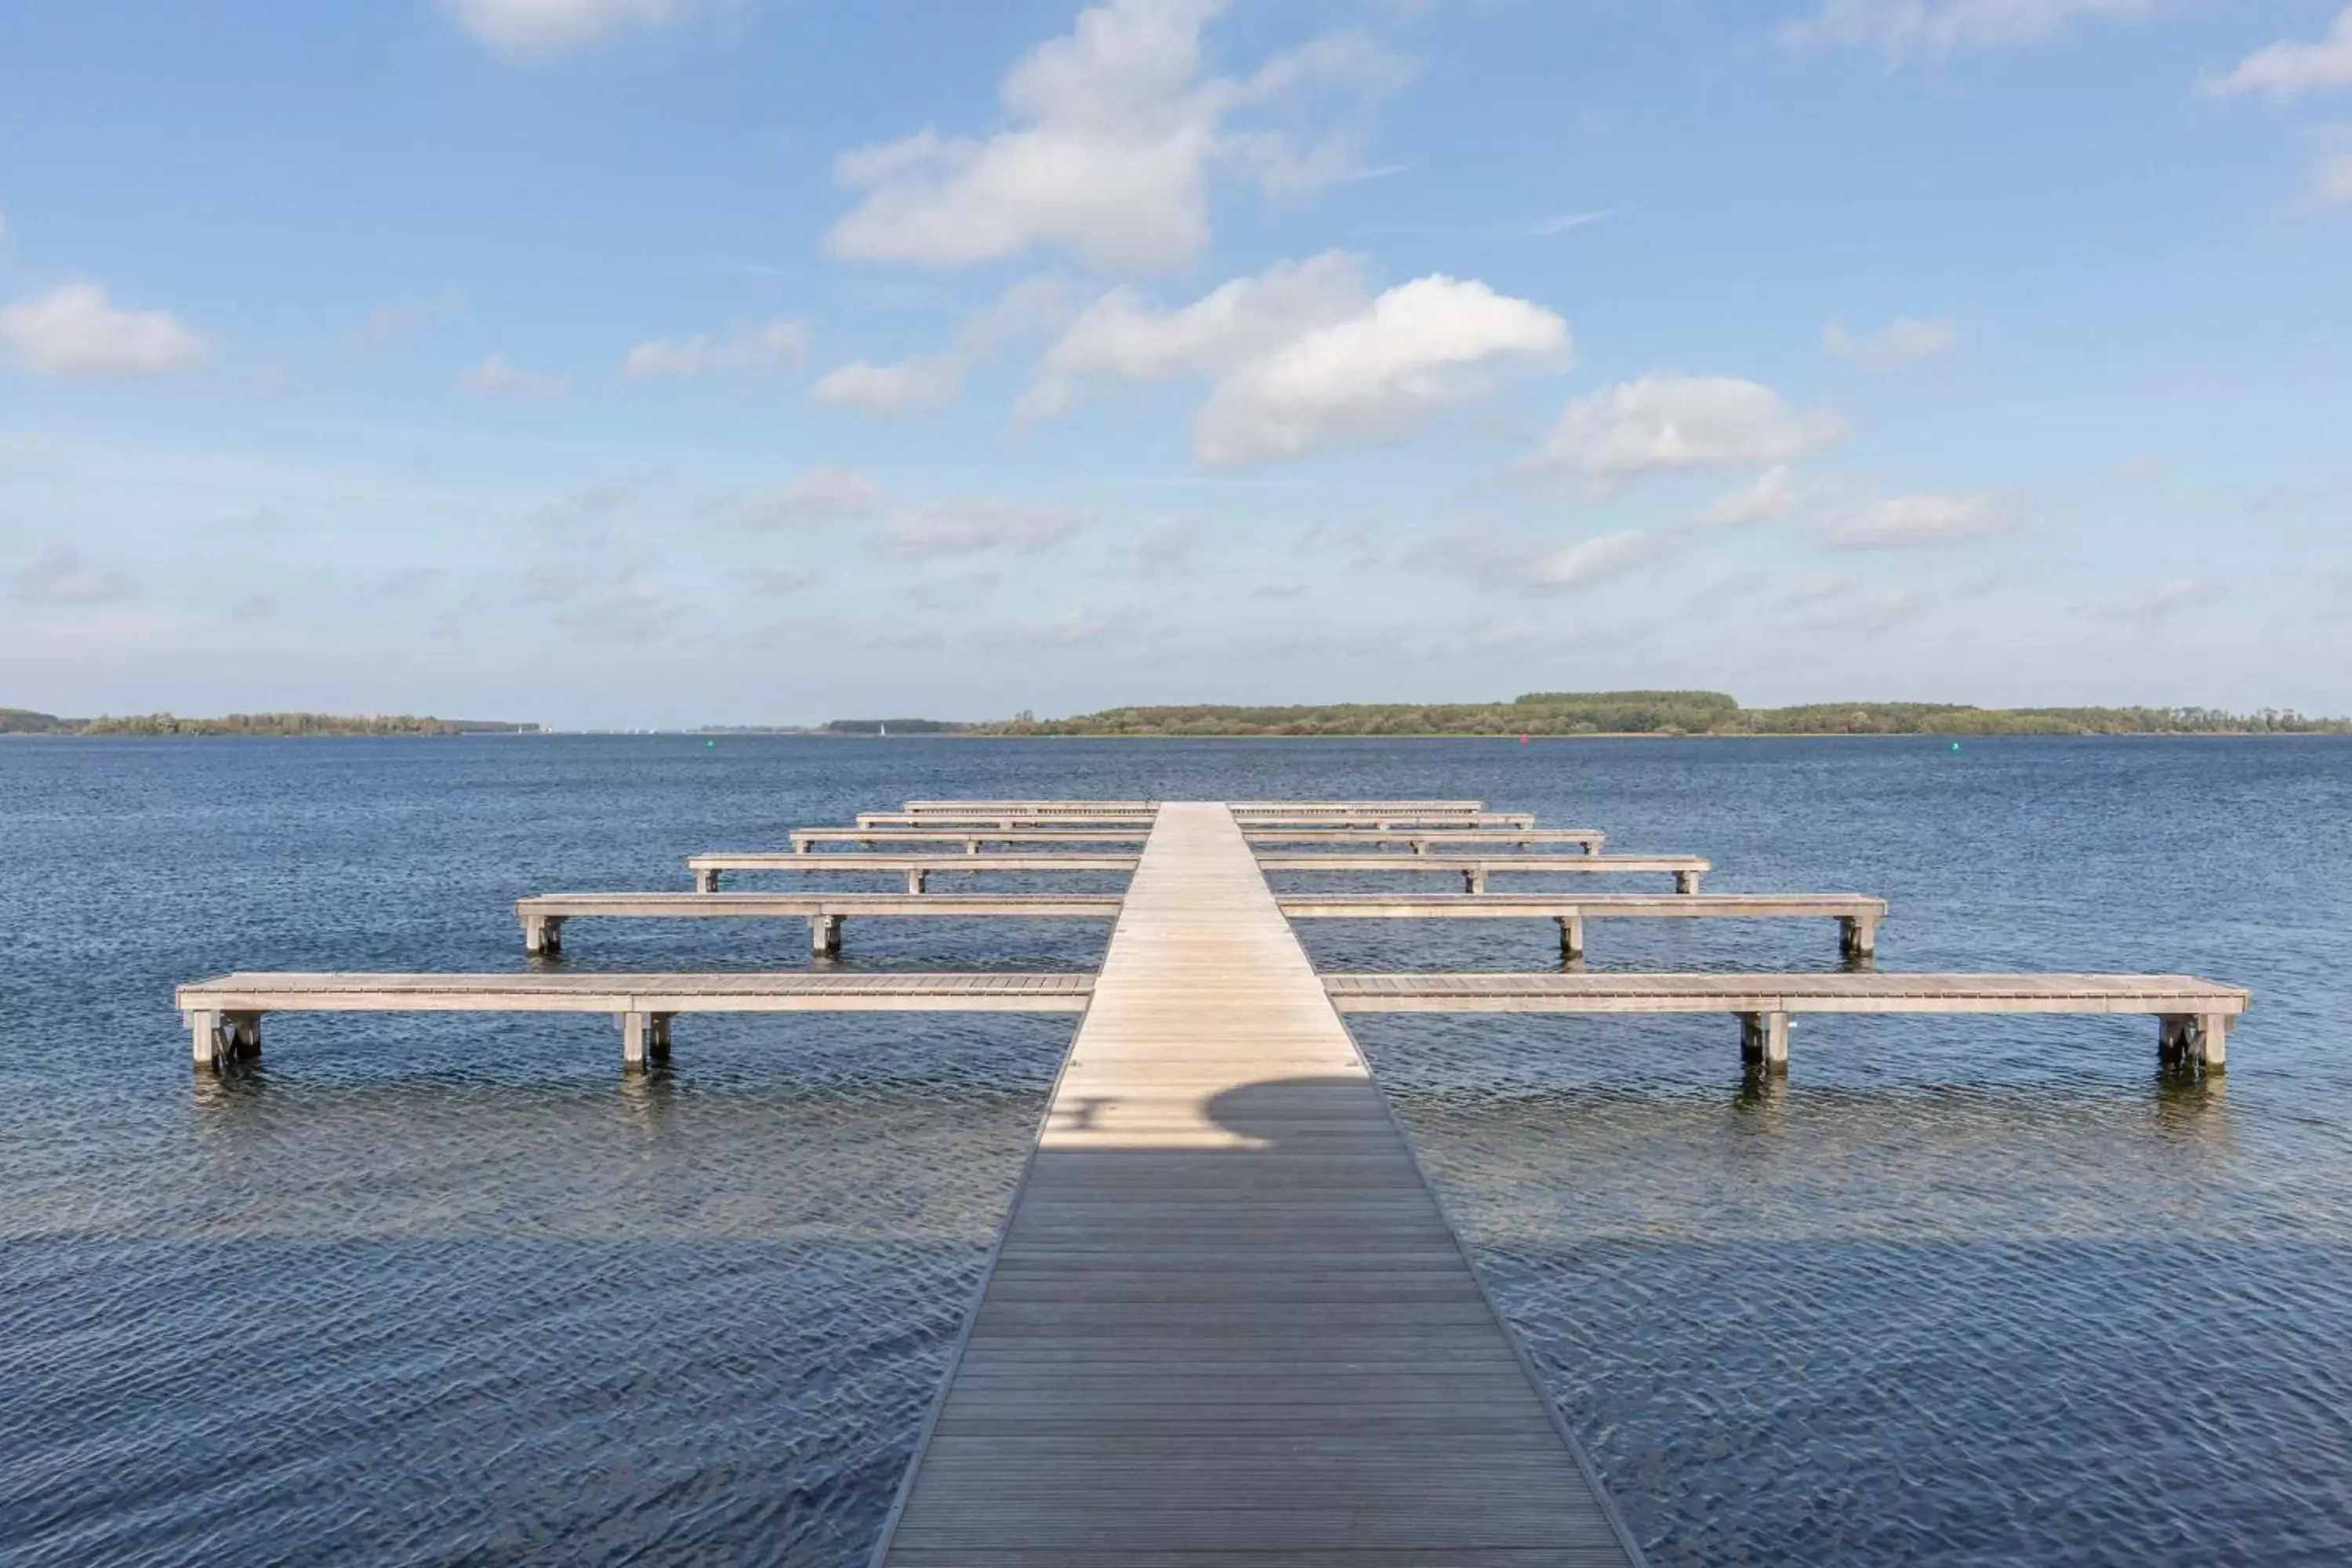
(449, 1289)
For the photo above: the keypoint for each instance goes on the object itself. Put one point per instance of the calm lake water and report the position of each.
(449, 1289)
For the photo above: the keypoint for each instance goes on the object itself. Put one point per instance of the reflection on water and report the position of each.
(450, 1287)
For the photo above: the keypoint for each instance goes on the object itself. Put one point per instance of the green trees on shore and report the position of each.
(1662, 713)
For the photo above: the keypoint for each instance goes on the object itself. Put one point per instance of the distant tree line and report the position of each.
(894, 726)
(1662, 714)
(24, 722)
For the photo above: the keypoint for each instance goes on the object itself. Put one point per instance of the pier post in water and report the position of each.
(644, 1036)
(1858, 936)
(705, 878)
(1474, 879)
(542, 934)
(917, 880)
(824, 936)
(2188, 1041)
(1572, 939)
(220, 1036)
(1764, 1041)
(1688, 881)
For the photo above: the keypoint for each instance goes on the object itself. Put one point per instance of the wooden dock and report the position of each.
(544, 915)
(224, 1015)
(918, 869)
(1420, 841)
(1687, 870)
(2193, 1015)
(1226, 1321)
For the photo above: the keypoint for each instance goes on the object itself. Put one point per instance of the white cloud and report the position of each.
(74, 329)
(820, 496)
(773, 345)
(61, 576)
(548, 30)
(2158, 603)
(1304, 355)
(1595, 560)
(978, 526)
(909, 386)
(1906, 340)
(399, 319)
(2287, 69)
(498, 376)
(1564, 222)
(1665, 422)
(1114, 133)
(2331, 177)
(1905, 522)
(1538, 563)
(1771, 496)
(924, 382)
(1904, 27)
(783, 580)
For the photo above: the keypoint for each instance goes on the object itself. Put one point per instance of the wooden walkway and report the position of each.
(1226, 1322)
(224, 1015)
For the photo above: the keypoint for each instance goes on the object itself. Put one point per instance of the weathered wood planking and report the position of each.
(1226, 1321)
(1687, 870)
(972, 839)
(544, 915)
(1311, 818)
(2194, 1015)
(919, 868)
(224, 1015)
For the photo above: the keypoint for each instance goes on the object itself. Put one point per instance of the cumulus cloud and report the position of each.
(1905, 522)
(924, 382)
(61, 576)
(818, 497)
(1771, 496)
(2331, 172)
(1114, 133)
(1595, 560)
(499, 377)
(1904, 27)
(397, 320)
(1305, 355)
(2162, 601)
(1538, 563)
(74, 329)
(1906, 340)
(978, 526)
(535, 30)
(1665, 422)
(2288, 69)
(773, 345)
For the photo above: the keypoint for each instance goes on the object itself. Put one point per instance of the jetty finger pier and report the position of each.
(1226, 1320)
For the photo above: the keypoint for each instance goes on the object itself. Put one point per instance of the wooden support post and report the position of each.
(971, 845)
(1858, 936)
(2188, 1042)
(917, 880)
(1764, 1041)
(1687, 881)
(643, 1037)
(542, 934)
(705, 878)
(1572, 939)
(800, 845)
(1474, 879)
(825, 935)
(220, 1038)
(1419, 846)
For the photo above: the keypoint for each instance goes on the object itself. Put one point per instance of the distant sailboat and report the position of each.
(882, 730)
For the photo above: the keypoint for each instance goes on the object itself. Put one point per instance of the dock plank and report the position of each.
(1226, 1320)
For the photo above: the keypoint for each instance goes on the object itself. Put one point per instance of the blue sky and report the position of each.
(653, 361)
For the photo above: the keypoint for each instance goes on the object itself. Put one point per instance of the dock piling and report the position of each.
(644, 1036)
(542, 934)
(1572, 939)
(1764, 1041)
(824, 936)
(705, 878)
(2190, 1042)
